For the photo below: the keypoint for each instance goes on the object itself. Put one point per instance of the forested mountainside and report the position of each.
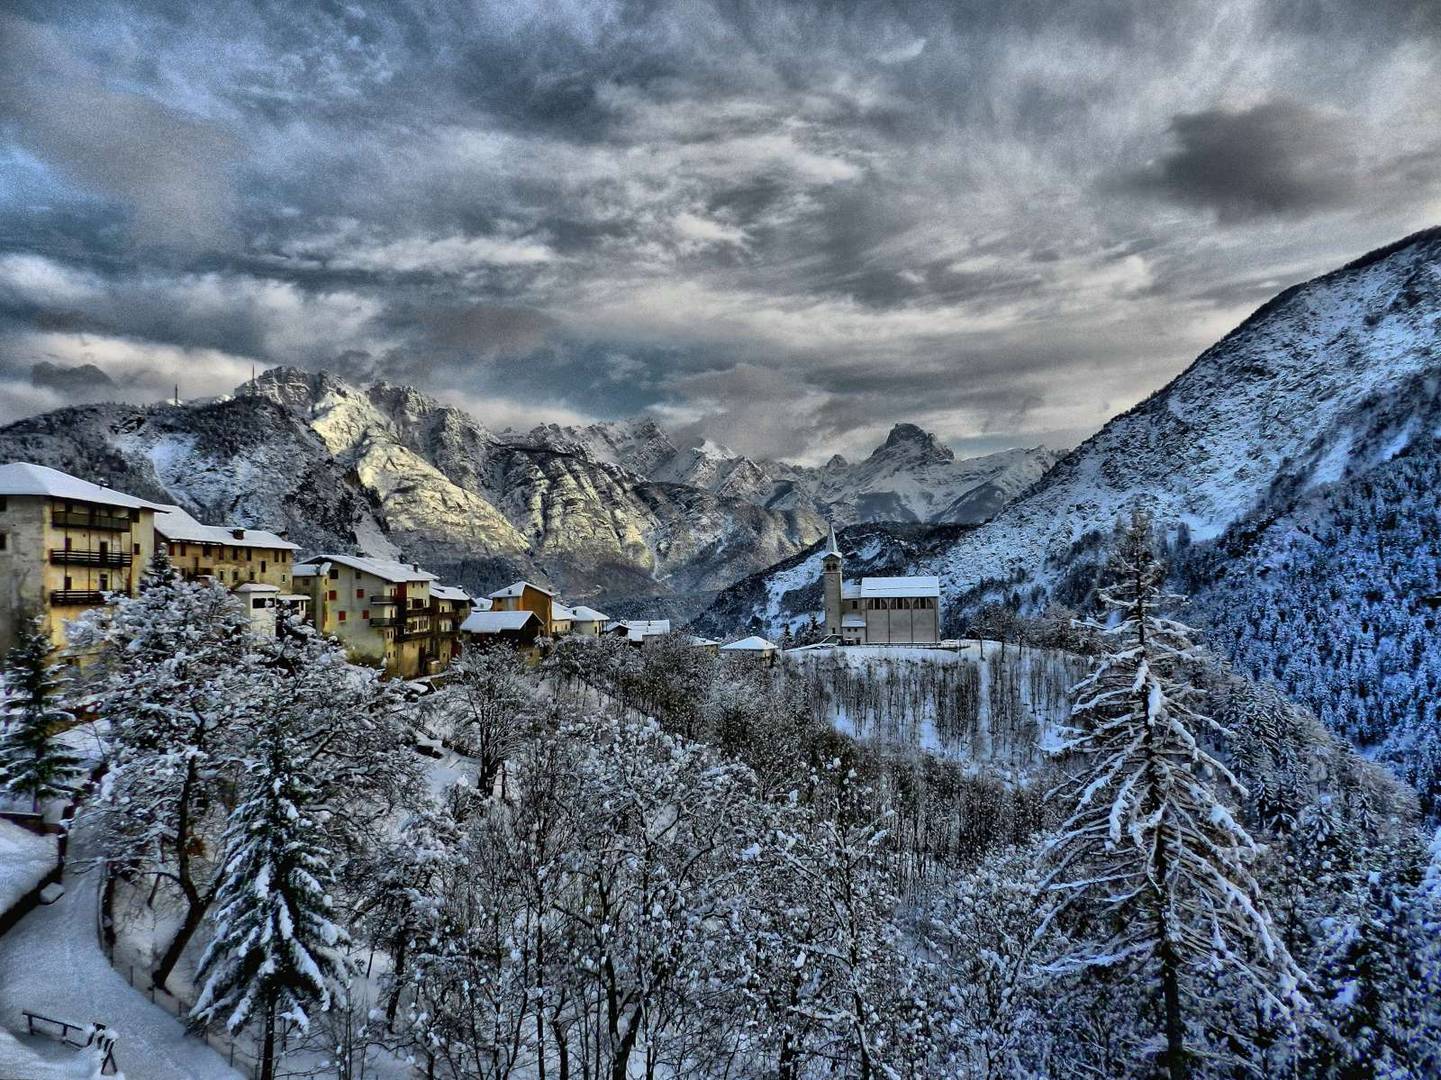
(909, 477)
(1333, 591)
(1294, 467)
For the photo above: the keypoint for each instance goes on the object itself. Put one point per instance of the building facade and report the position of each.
(523, 596)
(65, 544)
(878, 610)
(231, 555)
(379, 609)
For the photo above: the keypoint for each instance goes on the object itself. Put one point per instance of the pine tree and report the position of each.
(1152, 871)
(276, 952)
(32, 761)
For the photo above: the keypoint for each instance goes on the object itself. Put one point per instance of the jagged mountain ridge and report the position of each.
(1273, 403)
(909, 477)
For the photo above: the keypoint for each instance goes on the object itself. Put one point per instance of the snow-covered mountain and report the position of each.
(909, 477)
(1294, 467)
(385, 469)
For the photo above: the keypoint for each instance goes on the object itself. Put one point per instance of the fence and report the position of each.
(138, 976)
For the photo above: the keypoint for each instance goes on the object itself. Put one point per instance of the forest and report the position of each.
(1094, 851)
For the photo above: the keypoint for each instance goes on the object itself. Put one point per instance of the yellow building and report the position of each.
(230, 554)
(379, 609)
(523, 596)
(65, 544)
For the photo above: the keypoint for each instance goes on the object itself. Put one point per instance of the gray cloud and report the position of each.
(1278, 157)
(782, 226)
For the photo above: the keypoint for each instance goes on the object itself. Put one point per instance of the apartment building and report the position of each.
(230, 554)
(65, 545)
(523, 596)
(383, 611)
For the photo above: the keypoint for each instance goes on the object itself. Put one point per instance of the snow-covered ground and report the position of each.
(983, 703)
(51, 963)
(25, 858)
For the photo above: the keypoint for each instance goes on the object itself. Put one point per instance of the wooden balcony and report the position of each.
(385, 601)
(76, 597)
(70, 519)
(89, 557)
(384, 620)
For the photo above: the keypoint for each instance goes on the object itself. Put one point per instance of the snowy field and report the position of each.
(979, 702)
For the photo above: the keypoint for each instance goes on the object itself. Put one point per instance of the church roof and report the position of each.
(901, 586)
(832, 548)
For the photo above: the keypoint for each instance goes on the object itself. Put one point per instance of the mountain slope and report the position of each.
(449, 489)
(909, 477)
(1255, 408)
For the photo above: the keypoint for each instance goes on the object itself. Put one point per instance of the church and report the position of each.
(879, 610)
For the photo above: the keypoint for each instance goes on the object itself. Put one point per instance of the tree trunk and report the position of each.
(1176, 1066)
(393, 1005)
(194, 914)
(267, 1053)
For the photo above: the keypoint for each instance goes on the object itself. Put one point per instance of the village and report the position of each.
(68, 545)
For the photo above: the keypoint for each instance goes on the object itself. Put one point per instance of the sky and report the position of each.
(783, 226)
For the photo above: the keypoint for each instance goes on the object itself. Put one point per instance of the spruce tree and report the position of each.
(33, 762)
(276, 952)
(1152, 872)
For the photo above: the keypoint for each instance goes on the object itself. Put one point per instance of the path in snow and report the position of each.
(51, 963)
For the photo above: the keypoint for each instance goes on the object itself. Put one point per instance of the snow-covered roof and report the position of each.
(174, 523)
(832, 548)
(448, 592)
(386, 569)
(481, 603)
(754, 643)
(581, 613)
(560, 613)
(23, 478)
(517, 588)
(309, 569)
(850, 590)
(901, 586)
(853, 619)
(638, 629)
(701, 642)
(257, 586)
(495, 622)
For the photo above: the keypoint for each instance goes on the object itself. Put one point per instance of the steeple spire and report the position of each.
(832, 548)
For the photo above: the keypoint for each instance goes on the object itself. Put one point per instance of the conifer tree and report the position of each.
(1152, 871)
(33, 762)
(276, 953)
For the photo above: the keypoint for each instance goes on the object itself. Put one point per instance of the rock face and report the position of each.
(386, 470)
(910, 477)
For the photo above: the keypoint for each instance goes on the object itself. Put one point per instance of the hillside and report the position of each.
(1294, 468)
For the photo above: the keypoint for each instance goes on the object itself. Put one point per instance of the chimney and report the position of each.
(239, 534)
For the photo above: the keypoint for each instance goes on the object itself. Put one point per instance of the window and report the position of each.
(331, 595)
(135, 549)
(4, 542)
(334, 574)
(258, 604)
(104, 582)
(360, 594)
(68, 584)
(205, 549)
(341, 616)
(3, 506)
(365, 614)
(262, 566)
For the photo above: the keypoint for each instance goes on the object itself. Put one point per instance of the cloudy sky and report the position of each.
(781, 225)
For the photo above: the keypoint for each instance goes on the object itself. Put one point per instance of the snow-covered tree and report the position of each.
(276, 953)
(485, 707)
(1152, 872)
(34, 764)
(171, 671)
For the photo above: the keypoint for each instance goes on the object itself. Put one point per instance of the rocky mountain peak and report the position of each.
(912, 440)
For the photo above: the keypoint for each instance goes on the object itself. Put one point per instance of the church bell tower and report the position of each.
(831, 584)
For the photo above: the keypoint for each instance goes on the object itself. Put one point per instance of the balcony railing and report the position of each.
(88, 597)
(385, 601)
(413, 631)
(70, 519)
(89, 557)
(384, 620)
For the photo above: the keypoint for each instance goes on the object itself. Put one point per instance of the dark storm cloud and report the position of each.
(785, 226)
(1275, 158)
